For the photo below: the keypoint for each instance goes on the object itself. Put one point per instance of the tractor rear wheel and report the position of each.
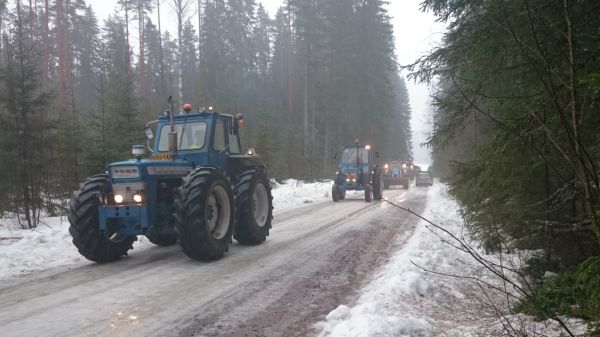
(254, 204)
(377, 187)
(94, 244)
(204, 214)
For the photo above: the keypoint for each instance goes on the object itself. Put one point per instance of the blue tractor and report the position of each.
(397, 173)
(198, 189)
(357, 171)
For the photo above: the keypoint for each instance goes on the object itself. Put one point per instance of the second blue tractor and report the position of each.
(358, 171)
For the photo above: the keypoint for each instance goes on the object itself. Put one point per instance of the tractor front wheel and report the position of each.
(204, 214)
(335, 194)
(94, 244)
(254, 203)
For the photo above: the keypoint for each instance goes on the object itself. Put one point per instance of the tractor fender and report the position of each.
(238, 164)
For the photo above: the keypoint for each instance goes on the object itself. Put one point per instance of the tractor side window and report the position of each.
(234, 143)
(219, 140)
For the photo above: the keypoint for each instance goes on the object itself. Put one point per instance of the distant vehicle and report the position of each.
(357, 171)
(424, 178)
(397, 173)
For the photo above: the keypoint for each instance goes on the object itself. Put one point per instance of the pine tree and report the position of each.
(23, 100)
(189, 61)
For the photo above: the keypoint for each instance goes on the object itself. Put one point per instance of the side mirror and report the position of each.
(376, 154)
(148, 132)
(238, 121)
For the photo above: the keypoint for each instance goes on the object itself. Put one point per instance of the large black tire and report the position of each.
(162, 240)
(406, 185)
(342, 194)
(335, 195)
(368, 195)
(204, 214)
(377, 187)
(254, 204)
(92, 243)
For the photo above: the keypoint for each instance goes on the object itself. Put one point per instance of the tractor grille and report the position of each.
(128, 190)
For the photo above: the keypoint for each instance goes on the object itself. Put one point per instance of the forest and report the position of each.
(76, 91)
(516, 136)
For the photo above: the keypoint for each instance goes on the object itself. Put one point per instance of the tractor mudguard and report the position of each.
(242, 163)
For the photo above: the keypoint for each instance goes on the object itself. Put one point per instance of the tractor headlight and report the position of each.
(137, 198)
(347, 180)
(386, 166)
(119, 198)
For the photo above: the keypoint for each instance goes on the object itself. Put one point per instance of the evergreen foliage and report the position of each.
(313, 78)
(516, 131)
(517, 91)
(574, 293)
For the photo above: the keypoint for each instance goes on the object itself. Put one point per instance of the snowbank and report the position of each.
(293, 193)
(49, 245)
(23, 251)
(403, 299)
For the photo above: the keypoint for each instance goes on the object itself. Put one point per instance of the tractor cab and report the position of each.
(205, 137)
(356, 164)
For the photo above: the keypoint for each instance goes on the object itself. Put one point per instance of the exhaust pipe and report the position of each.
(172, 134)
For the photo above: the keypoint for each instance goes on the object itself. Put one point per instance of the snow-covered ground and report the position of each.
(49, 245)
(403, 299)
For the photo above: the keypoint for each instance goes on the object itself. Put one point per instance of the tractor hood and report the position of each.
(148, 169)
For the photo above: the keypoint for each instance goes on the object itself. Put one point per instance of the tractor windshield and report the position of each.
(396, 165)
(355, 155)
(193, 138)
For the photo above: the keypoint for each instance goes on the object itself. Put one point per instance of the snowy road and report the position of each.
(316, 257)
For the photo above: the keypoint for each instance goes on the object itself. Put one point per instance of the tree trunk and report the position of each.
(143, 95)
(46, 60)
(584, 176)
(62, 56)
(290, 91)
(162, 80)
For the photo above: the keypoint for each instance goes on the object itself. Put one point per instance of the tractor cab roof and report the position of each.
(193, 116)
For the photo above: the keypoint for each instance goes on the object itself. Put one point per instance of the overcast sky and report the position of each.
(416, 33)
